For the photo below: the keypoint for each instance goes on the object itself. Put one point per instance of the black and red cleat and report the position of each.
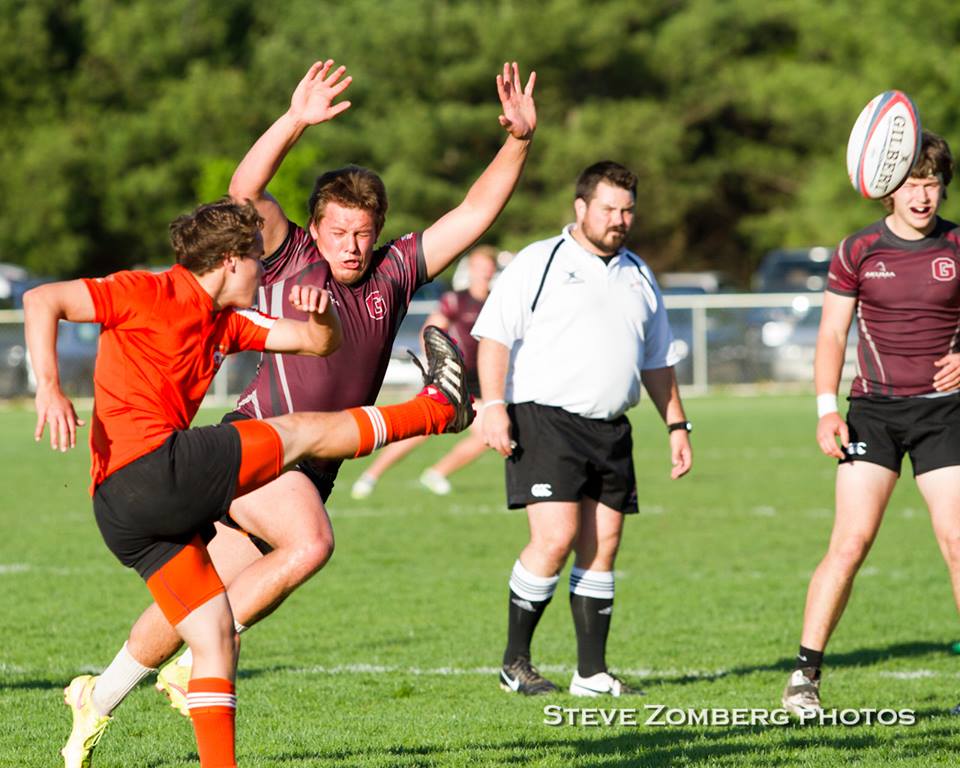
(445, 375)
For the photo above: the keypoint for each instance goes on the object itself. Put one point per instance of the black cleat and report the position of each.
(520, 676)
(446, 372)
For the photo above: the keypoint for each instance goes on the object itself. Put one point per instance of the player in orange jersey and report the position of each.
(159, 485)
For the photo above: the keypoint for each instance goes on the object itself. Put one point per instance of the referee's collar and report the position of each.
(567, 234)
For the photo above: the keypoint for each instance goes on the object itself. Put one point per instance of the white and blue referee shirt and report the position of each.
(579, 332)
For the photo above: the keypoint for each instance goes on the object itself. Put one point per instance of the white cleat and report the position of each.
(601, 684)
(801, 697)
(436, 483)
(363, 487)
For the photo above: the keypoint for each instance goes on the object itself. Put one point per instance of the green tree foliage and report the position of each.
(117, 116)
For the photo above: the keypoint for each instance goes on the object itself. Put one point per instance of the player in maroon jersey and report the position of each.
(899, 278)
(456, 314)
(371, 288)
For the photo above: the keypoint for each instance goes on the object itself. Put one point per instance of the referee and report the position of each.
(573, 327)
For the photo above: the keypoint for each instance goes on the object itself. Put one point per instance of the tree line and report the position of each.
(118, 116)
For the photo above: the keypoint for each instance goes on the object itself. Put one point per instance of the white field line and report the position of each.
(905, 675)
(12, 569)
(380, 669)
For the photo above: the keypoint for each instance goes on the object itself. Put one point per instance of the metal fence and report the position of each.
(726, 338)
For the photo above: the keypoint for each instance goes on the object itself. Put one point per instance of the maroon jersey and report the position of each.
(461, 309)
(908, 305)
(370, 313)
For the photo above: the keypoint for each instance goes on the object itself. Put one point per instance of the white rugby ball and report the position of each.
(883, 144)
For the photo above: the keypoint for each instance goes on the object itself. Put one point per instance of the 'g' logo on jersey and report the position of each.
(944, 269)
(376, 305)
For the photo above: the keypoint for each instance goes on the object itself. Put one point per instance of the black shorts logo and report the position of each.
(541, 490)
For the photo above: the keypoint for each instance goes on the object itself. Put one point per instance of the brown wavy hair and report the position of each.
(201, 239)
(352, 187)
(934, 159)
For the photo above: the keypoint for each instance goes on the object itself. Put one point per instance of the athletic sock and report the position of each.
(423, 415)
(185, 659)
(213, 709)
(807, 657)
(117, 680)
(529, 596)
(591, 603)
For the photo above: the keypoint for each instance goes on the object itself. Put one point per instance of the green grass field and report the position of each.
(388, 657)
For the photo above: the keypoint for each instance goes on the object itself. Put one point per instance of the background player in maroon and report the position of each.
(899, 278)
(371, 288)
(457, 312)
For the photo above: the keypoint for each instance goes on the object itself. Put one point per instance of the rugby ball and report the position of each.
(883, 144)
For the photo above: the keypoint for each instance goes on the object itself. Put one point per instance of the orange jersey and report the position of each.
(161, 342)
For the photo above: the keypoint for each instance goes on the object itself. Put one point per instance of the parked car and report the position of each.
(13, 363)
(401, 371)
(787, 270)
(77, 345)
(791, 348)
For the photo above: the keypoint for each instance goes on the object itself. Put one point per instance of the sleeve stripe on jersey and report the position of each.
(843, 258)
(257, 318)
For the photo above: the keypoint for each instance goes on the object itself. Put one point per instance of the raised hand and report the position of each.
(519, 110)
(312, 101)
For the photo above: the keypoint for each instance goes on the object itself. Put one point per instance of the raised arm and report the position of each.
(827, 368)
(43, 308)
(661, 385)
(458, 229)
(311, 103)
(319, 335)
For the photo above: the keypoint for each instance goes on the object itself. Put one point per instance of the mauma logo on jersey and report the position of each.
(880, 272)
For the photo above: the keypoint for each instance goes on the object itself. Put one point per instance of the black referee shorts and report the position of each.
(564, 457)
(322, 481)
(882, 430)
(148, 510)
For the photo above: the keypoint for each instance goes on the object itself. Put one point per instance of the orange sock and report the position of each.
(426, 414)
(213, 709)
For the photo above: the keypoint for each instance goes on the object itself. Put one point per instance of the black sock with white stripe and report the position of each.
(591, 603)
(529, 596)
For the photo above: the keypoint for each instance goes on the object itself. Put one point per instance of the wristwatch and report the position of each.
(686, 426)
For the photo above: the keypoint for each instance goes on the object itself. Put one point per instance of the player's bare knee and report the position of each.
(848, 555)
(309, 556)
(553, 549)
(950, 546)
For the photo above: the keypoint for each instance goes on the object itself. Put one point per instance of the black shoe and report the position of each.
(446, 372)
(520, 676)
